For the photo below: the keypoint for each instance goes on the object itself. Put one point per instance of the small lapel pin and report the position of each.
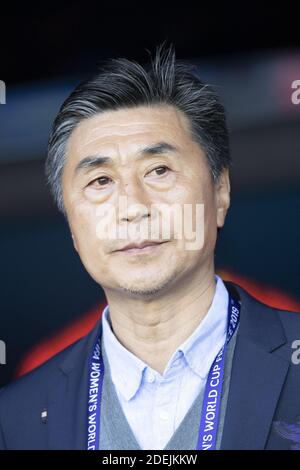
(44, 415)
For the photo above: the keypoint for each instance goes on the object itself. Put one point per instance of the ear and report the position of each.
(74, 242)
(222, 192)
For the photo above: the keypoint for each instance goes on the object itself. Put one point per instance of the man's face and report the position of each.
(170, 173)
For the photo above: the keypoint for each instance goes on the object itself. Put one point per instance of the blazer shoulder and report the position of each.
(291, 320)
(23, 400)
(265, 314)
(39, 379)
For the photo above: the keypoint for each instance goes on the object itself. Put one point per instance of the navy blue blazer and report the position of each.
(263, 409)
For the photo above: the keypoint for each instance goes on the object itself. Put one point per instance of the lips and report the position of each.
(141, 246)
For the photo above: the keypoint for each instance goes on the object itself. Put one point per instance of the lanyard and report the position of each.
(207, 435)
(212, 395)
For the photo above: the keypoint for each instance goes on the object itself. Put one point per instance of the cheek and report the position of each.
(203, 217)
(83, 224)
(91, 249)
(203, 201)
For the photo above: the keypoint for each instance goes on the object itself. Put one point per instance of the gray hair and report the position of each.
(123, 83)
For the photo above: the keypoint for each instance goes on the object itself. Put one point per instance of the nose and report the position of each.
(133, 204)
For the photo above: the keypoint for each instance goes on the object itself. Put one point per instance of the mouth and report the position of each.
(141, 248)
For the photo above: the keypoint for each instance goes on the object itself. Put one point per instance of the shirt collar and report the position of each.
(198, 350)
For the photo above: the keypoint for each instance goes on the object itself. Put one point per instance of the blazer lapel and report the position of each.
(257, 376)
(67, 403)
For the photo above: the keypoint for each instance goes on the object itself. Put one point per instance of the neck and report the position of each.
(153, 329)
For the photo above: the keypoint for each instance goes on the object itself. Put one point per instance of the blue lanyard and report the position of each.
(212, 395)
(207, 435)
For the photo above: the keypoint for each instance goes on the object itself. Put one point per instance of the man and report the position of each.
(138, 161)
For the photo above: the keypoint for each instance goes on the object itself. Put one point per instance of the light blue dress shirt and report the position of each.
(155, 404)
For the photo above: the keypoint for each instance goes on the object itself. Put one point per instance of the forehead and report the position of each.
(128, 128)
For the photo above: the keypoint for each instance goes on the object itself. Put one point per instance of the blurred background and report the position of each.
(251, 55)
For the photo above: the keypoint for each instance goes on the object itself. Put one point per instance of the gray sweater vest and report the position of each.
(116, 433)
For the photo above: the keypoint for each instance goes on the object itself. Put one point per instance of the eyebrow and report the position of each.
(95, 161)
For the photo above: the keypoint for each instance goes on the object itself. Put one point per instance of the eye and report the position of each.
(101, 181)
(160, 170)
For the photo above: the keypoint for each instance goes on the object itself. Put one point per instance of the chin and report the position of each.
(146, 289)
(142, 292)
